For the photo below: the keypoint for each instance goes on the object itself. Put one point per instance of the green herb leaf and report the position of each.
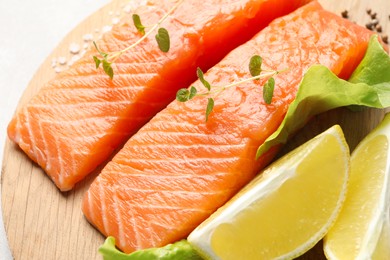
(138, 24)
(268, 90)
(182, 95)
(255, 65)
(179, 250)
(209, 108)
(97, 61)
(108, 69)
(321, 90)
(205, 83)
(193, 92)
(162, 38)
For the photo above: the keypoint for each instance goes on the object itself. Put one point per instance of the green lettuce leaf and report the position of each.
(178, 250)
(320, 91)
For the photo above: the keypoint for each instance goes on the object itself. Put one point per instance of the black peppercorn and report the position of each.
(344, 14)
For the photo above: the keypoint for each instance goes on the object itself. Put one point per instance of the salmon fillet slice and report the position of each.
(80, 117)
(178, 169)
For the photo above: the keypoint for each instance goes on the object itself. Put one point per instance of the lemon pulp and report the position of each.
(285, 210)
(362, 230)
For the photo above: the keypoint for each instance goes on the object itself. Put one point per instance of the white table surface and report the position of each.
(29, 31)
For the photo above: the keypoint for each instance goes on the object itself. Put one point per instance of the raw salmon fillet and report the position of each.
(80, 117)
(178, 169)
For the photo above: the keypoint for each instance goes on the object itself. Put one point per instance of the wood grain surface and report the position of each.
(43, 223)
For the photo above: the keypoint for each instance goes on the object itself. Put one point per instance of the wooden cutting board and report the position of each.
(43, 223)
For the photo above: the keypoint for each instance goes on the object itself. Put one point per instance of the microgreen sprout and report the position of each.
(138, 24)
(255, 65)
(268, 90)
(162, 38)
(184, 94)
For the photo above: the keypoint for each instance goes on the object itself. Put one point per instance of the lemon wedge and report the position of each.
(362, 230)
(284, 211)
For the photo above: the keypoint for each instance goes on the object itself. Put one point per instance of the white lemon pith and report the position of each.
(362, 230)
(286, 210)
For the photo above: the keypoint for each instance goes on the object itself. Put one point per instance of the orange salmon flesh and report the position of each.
(177, 169)
(80, 117)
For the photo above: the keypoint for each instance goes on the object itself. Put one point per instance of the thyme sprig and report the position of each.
(184, 94)
(162, 38)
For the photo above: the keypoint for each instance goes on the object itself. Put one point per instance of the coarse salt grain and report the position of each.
(74, 48)
(115, 20)
(62, 60)
(106, 28)
(57, 70)
(132, 5)
(127, 9)
(53, 62)
(87, 37)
